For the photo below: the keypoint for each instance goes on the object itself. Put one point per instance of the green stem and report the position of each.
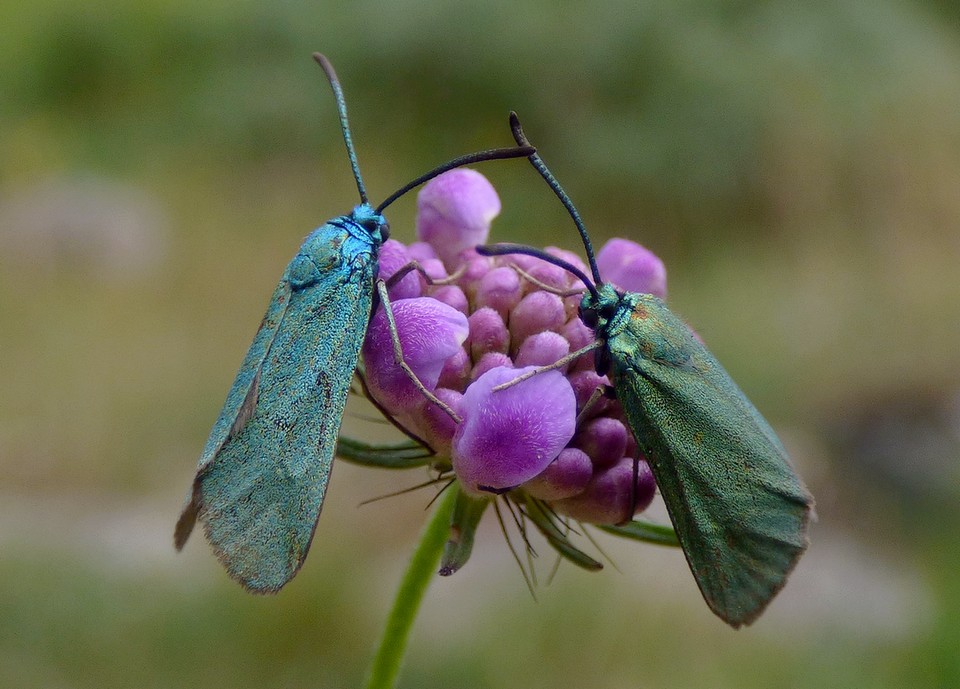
(422, 568)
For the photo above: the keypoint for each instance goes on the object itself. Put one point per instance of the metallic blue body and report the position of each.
(264, 471)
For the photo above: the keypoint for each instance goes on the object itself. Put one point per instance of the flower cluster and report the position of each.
(480, 322)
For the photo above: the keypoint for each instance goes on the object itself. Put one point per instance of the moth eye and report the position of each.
(607, 311)
(589, 317)
(385, 231)
(371, 225)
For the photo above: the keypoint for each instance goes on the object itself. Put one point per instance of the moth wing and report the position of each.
(739, 510)
(240, 402)
(260, 493)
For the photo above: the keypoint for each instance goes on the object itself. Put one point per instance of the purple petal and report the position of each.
(579, 336)
(632, 267)
(604, 439)
(499, 289)
(436, 426)
(476, 267)
(393, 257)
(454, 212)
(489, 361)
(584, 383)
(451, 295)
(456, 371)
(421, 251)
(608, 498)
(550, 275)
(564, 477)
(488, 333)
(510, 436)
(569, 257)
(542, 349)
(536, 312)
(431, 332)
(434, 268)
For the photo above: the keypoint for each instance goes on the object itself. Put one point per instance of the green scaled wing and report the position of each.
(739, 510)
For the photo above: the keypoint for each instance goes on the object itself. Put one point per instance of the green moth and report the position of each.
(738, 508)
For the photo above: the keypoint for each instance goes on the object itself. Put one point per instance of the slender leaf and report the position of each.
(648, 532)
(405, 455)
(542, 520)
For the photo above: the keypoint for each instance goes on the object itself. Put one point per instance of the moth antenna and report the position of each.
(541, 167)
(505, 249)
(344, 124)
(469, 159)
(563, 294)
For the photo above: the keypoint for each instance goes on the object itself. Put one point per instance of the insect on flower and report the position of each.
(263, 473)
(739, 510)
(550, 450)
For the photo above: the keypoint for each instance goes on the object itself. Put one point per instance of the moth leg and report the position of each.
(633, 489)
(598, 392)
(601, 361)
(544, 286)
(415, 266)
(398, 354)
(559, 363)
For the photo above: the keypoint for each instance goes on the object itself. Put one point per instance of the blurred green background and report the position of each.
(796, 164)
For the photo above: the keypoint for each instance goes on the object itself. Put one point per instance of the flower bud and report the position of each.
(454, 212)
(632, 267)
(609, 497)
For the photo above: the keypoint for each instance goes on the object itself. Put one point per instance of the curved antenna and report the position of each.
(523, 151)
(541, 167)
(504, 249)
(344, 124)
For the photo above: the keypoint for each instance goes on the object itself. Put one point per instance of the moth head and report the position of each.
(598, 308)
(372, 222)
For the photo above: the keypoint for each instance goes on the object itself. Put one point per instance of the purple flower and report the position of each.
(604, 439)
(509, 436)
(488, 333)
(393, 256)
(454, 212)
(452, 296)
(542, 349)
(564, 477)
(537, 312)
(488, 361)
(632, 267)
(492, 320)
(437, 426)
(431, 332)
(499, 289)
(608, 498)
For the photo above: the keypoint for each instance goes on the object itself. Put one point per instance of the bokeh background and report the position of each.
(796, 164)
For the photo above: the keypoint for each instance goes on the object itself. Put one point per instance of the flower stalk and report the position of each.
(422, 568)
